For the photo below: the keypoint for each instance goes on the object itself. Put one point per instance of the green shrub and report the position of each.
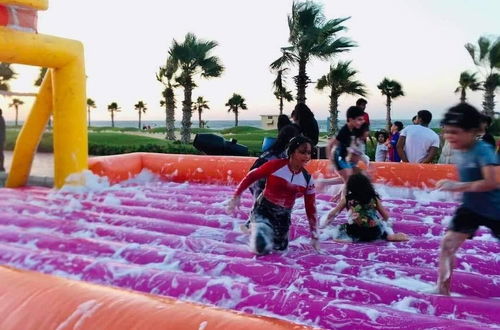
(495, 127)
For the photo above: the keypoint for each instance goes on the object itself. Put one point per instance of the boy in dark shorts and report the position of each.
(476, 163)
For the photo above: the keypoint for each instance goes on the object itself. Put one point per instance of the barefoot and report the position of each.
(339, 240)
(245, 229)
(398, 237)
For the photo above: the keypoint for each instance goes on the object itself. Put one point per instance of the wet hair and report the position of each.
(381, 132)
(283, 120)
(354, 112)
(295, 143)
(361, 101)
(399, 125)
(360, 189)
(425, 116)
(462, 115)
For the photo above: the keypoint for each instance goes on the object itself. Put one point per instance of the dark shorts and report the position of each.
(340, 162)
(276, 218)
(467, 222)
(361, 234)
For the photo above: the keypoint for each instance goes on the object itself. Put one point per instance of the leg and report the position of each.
(2, 168)
(261, 237)
(449, 245)
(398, 237)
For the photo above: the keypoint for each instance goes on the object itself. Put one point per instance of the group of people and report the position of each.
(282, 178)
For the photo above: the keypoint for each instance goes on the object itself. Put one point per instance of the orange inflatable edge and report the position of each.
(31, 300)
(231, 169)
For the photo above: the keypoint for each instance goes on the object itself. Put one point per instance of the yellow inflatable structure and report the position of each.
(62, 93)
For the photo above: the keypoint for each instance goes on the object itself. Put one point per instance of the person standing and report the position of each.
(418, 143)
(2, 141)
(396, 129)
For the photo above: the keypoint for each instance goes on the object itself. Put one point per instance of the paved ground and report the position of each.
(43, 164)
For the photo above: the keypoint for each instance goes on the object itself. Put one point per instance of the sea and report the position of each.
(375, 124)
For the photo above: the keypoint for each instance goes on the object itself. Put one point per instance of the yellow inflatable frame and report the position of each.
(62, 93)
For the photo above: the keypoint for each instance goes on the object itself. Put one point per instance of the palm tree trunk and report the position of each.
(334, 114)
(236, 117)
(16, 113)
(186, 115)
(281, 105)
(199, 119)
(301, 81)
(140, 118)
(388, 115)
(112, 118)
(489, 102)
(88, 115)
(462, 96)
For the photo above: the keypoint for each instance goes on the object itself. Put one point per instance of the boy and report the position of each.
(393, 141)
(381, 153)
(418, 143)
(337, 148)
(476, 163)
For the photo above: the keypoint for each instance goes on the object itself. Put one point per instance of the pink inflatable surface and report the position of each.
(176, 240)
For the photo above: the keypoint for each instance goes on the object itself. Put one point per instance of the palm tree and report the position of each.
(340, 80)
(141, 107)
(391, 89)
(166, 75)
(192, 56)
(280, 90)
(90, 105)
(234, 103)
(486, 56)
(6, 74)
(467, 81)
(311, 35)
(112, 108)
(199, 105)
(41, 75)
(15, 104)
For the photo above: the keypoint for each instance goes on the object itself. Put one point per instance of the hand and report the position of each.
(329, 218)
(233, 204)
(315, 244)
(448, 185)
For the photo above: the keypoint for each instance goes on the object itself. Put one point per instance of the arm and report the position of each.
(310, 203)
(381, 209)
(256, 174)
(333, 213)
(332, 142)
(431, 153)
(400, 147)
(486, 184)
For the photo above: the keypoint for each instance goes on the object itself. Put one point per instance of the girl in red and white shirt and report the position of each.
(286, 180)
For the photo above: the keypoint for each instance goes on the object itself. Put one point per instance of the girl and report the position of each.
(286, 180)
(363, 204)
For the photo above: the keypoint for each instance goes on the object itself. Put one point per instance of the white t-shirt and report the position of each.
(418, 141)
(381, 152)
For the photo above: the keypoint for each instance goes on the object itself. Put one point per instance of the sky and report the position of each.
(419, 43)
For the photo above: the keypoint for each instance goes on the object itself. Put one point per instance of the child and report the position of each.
(286, 181)
(393, 141)
(476, 163)
(363, 205)
(381, 153)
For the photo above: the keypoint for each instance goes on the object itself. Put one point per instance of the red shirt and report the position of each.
(283, 187)
(366, 117)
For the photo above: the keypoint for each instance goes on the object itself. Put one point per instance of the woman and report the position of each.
(286, 180)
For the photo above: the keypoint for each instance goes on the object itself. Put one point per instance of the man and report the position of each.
(2, 141)
(418, 143)
(361, 103)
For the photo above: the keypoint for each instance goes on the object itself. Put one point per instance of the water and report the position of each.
(376, 124)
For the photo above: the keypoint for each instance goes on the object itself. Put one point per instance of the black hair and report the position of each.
(413, 119)
(283, 120)
(486, 120)
(354, 112)
(462, 115)
(425, 116)
(284, 136)
(359, 132)
(361, 101)
(399, 125)
(307, 122)
(360, 189)
(295, 143)
(381, 132)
